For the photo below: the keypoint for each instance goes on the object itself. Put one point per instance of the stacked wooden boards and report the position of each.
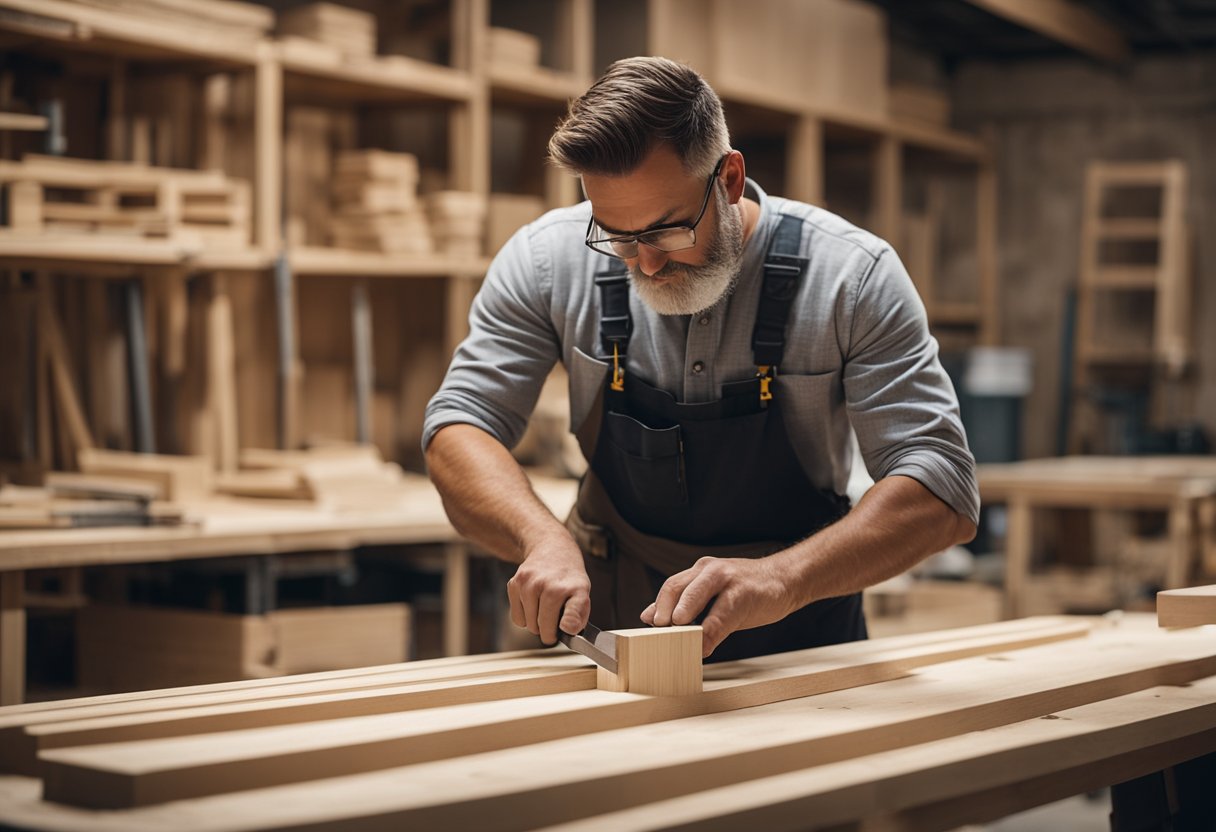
(515, 741)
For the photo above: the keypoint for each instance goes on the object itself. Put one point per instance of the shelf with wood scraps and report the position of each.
(339, 262)
(384, 78)
(94, 29)
(534, 86)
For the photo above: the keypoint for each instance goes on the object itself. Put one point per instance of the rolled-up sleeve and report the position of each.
(497, 372)
(900, 401)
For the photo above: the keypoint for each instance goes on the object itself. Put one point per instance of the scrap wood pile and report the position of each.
(952, 724)
(120, 488)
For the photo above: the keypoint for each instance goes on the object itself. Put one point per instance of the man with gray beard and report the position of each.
(722, 344)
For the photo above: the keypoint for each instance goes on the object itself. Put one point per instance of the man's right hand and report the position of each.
(551, 589)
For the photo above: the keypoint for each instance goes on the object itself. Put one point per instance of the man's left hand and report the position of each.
(745, 593)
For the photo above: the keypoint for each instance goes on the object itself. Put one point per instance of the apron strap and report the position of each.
(616, 324)
(783, 270)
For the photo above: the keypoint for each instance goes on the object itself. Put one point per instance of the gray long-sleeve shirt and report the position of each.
(858, 350)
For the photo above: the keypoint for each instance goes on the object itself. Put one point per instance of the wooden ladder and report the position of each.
(1106, 268)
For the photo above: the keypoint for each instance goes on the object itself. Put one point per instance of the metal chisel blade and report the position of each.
(593, 643)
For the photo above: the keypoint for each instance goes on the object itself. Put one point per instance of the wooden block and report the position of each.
(657, 661)
(25, 207)
(181, 477)
(1190, 607)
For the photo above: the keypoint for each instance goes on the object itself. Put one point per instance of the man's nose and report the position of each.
(650, 259)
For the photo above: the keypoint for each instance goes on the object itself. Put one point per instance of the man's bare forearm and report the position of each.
(486, 494)
(897, 524)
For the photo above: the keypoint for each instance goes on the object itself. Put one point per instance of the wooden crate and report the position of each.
(48, 195)
(134, 648)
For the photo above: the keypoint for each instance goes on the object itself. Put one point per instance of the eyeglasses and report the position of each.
(674, 237)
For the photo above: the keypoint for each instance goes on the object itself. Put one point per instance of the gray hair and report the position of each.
(637, 104)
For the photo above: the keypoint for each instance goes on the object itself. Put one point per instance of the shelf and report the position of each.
(337, 262)
(115, 33)
(534, 86)
(387, 78)
(1126, 277)
(926, 137)
(84, 250)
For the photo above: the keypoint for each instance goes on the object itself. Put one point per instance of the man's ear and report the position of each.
(734, 175)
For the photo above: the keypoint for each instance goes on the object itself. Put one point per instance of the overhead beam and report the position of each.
(1066, 22)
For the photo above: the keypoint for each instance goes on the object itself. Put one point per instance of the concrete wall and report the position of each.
(1051, 117)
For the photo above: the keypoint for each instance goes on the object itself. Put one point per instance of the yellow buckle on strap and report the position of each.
(618, 372)
(766, 373)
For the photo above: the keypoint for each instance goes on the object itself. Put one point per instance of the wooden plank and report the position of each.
(12, 638)
(1069, 752)
(1191, 607)
(584, 776)
(1065, 21)
(268, 129)
(22, 745)
(67, 400)
(94, 485)
(221, 374)
(138, 774)
(22, 121)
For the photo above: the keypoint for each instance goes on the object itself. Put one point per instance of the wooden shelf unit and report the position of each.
(282, 75)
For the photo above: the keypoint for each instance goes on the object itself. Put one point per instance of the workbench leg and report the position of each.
(12, 638)
(1019, 534)
(1182, 538)
(456, 599)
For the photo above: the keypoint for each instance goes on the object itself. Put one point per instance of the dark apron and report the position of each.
(672, 482)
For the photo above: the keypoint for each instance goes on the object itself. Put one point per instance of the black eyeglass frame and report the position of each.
(638, 238)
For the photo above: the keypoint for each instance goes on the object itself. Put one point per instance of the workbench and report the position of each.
(1182, 486)
(249, 527)
(915, 732)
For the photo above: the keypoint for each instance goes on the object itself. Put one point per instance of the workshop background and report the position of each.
(239, 241)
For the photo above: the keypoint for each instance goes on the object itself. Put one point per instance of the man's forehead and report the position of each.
(639, 201)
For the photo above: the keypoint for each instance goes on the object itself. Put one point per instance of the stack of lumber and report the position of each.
(338, 477)
(512, 48)
(49, 195)
(77, 500)
(458, 221)
(350, 31)
(944, 728)
(178, 478)
(375, 195)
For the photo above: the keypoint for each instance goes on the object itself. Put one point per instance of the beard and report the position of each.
(690, 290)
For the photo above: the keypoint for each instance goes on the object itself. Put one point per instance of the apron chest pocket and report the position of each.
(651, 460)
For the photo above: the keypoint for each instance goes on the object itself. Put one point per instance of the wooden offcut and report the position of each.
(1191, 607)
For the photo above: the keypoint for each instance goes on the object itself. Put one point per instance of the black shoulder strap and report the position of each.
(616, 324)
(783, 269)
